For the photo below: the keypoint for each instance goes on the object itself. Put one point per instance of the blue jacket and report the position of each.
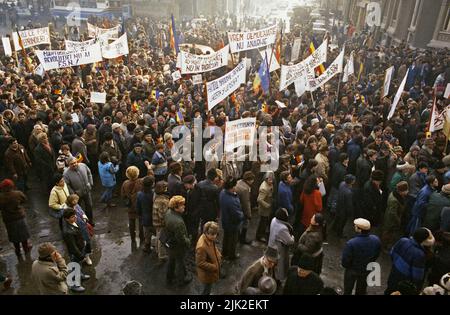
(353, 150)
(408, 262)
(418, 210)
(231, 211)
(81, 223)
(360, 251)
(144, 208)
(285, 197)
(107, 174)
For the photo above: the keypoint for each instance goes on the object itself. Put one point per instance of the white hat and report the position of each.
(363, 224)
(314, 121)
(115, 125)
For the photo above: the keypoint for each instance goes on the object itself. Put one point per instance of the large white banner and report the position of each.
(296, 49)
(220, 88)
(116, 49)
(56, 59)
(387, 80)
(7, 46)
(94, 31)
(239, 133)
(398, 96)
(191, 63)
(300, 86)
(335, 68)
(32, 37)
(70, 45)
(349, 68)
(274, 65)
(290, 74)
(241, 41)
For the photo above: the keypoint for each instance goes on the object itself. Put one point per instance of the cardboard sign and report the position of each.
(7, 46)
(98, 97)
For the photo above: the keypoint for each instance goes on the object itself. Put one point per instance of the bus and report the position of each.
(83, 9)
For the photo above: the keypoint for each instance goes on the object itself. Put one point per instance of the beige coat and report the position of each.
(265, 199)
(207, 259)
(323, 168)
(50, 278)
(160, 207)
(244, 192)
(58, 197)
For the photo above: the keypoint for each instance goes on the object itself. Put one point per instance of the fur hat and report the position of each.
(132, 172)
(306, 262)
(424, 237)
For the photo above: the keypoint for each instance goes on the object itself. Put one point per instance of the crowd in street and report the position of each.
(343, 166)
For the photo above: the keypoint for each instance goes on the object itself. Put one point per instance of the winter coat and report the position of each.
(138, 160)
(130, 189)
(281, 238)
(416, 182)
(159, 163)
(17, 162)
(445, 219)
(345, 201)
(49, 277)
(312, 204)
(230, 210)
(419, 209)
(371, 203)
(177, 232)
(207, 259)
(363, 171)
(323, 167)
(160, 207)
(426, 156)
(438, 201)
(79, 147)
(265, 199)
(338, 173)
(311, 241)
(174, 185)
(209, 200)
(392, 224)
(114, 151)
(360, 251)
(44, 162)
(251, 276)
(107, 174)
(243, 190)
(397, 178)
(408, 263)
(144, 208)
(285, 197)
(58, 197)
(69, 132)
(73, 238)
(80, 180)
(11, 206)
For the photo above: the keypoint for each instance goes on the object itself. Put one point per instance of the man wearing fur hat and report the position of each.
(409, 259)
(371, 204)
(358, 252)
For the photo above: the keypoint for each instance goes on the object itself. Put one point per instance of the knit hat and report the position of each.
(132, 172)
(377, 175)
(271, 253)
(363, 224)
(7, 183)
(306, 262)
(422, 235)
(115, 125)
(46, 249)
(402, 186)
(446, 189)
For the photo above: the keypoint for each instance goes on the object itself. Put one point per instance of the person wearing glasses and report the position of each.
(208, 257)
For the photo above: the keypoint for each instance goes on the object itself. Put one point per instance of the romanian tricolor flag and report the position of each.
(173, 37)
(79, 158)
(135, 107)
(179, 117)
(320, 69)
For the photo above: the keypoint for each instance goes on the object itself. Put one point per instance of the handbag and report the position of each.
(90, 229)
(165, 238)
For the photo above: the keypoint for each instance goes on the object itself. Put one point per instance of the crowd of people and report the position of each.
(342, 164)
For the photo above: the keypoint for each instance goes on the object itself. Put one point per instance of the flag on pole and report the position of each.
(179, 117)
(312, 48)
(262, 78)
(174, 37)
(24, 54)
(135, 107)
(398, 96)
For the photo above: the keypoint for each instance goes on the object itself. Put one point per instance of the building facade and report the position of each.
(420, 23)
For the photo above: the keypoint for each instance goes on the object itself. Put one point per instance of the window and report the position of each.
(417, 9)
(395, 13)
(446, 26)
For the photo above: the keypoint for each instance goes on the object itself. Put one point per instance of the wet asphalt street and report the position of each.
(115, 261)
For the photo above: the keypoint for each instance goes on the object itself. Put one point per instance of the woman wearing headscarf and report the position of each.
(13, 214)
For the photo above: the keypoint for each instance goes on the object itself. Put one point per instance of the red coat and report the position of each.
(312, 204)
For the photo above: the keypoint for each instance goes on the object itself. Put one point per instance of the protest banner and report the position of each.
(191, 63)
(71, 45)
(300, 86)
(335, 68)
(39, 71)
(220, 88)
(296, 49)
(398, 96)
(289, 74)
(274, 65)
(7, 46)
(241, 41)
(349, 68)
(176, 75)
(94, 31)
(98, 97)
(197, 79)
(387, 81)
(116, 49)
(239, 133)
(31, 38)
(56, 59)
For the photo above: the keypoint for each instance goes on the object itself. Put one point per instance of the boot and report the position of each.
(242, 237)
